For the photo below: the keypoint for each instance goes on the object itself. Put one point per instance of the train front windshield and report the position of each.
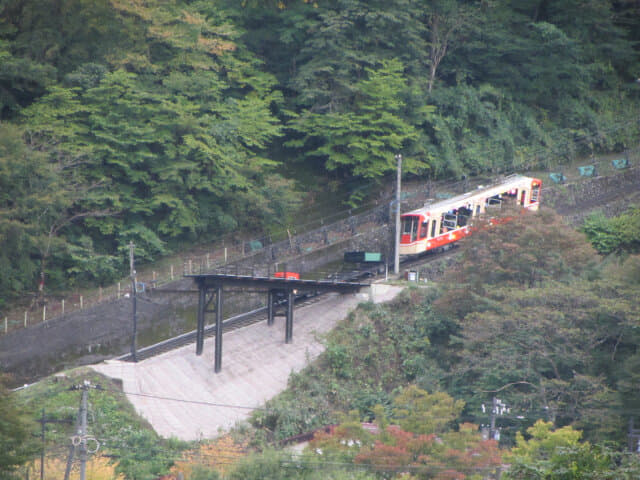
(409, 228)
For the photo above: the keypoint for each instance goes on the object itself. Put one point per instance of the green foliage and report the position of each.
(156, 136)
(525, 313)
(528, 251)
(361, 139)
(164, 123)
(617, 234)
(389, 449)
(136, 449)
(203, 473)
(142, 455)
(419, 412)
(16, 442)
(558, 454)
(274, 465)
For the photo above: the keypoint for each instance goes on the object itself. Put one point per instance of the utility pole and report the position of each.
(83, 432)
(396, 260)
(43, 420)
(492, 428)
(497, 408)
(81, 437)
(134, 299)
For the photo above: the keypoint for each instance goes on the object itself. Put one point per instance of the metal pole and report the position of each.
(134, 299)
(270, 300)
(218, 352)
(42, 420)
(396, 260)
(202, 307)
(494, 411)
(288, 337)
(83, 442)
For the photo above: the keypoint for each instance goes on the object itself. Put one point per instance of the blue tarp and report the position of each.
(587, 171)
(620, 163)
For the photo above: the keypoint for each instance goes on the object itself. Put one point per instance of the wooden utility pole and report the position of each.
(396, 260)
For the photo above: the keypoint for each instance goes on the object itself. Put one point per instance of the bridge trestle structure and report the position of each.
(281, 295)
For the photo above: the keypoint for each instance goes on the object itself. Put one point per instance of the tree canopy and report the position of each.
(166, 122)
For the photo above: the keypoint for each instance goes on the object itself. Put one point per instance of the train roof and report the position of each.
(500, 186)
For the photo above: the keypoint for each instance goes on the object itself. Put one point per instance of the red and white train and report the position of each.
(441, 223)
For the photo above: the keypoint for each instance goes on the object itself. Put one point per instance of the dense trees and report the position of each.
(16, 442)
(167, 122)
(156, 135)
(529, 314)
(619, 234)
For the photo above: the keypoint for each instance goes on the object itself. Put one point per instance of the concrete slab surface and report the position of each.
(181, 396)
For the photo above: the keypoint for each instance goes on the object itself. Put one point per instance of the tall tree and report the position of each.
(363, 140)
(16, 440)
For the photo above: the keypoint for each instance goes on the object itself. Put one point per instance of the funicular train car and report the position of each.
(441, 223)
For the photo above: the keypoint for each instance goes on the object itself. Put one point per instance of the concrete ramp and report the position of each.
(181, 396)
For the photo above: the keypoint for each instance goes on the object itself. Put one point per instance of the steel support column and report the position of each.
(218, 352)
(289, 328)
(202, 307)
(270, 310)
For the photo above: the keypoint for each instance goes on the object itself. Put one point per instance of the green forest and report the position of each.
(527, 313)
(167, 123)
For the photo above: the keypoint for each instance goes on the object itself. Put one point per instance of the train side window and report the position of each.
(406, 225)
(464, 213)
(434, 223)
(450, 221)
(494, 202)
(424, 229)
(414, 229)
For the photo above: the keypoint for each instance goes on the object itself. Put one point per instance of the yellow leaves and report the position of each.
(215, 46)
(98, 468)
(192, 19)
(134, 7)
(219, 455)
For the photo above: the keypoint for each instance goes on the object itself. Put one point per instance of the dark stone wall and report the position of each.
(611, 194)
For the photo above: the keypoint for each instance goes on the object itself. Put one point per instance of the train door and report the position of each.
(523, 197)
(424, 230)
(434, 224)
(535, 193)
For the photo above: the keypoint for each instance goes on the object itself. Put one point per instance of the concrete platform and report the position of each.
(181, 396)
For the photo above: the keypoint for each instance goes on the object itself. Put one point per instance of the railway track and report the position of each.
(260, 314)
